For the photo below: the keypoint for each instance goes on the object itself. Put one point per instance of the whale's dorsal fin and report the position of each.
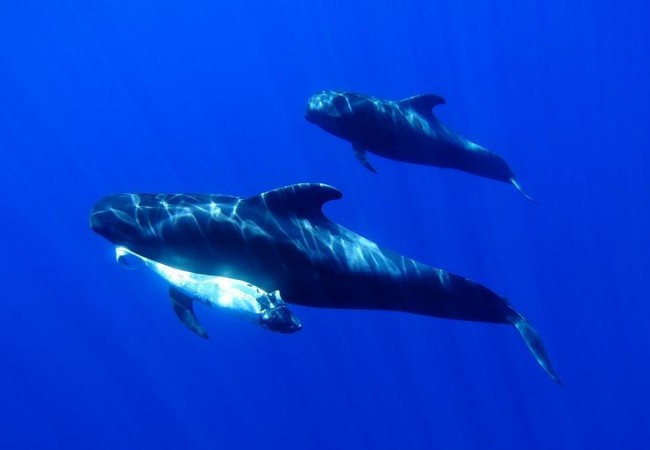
(423, 104)
(182, 305)
(303, 199)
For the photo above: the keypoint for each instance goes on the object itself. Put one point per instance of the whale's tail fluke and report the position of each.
(518, 187)
(534, 343)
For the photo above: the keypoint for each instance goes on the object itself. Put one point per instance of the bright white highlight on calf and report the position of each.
(215, 291)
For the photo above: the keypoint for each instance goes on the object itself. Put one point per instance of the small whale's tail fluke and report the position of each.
(518, 187)
(534, 343)
(125, 258)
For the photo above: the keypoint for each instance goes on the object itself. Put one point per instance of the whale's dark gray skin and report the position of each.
(405, 130)
(281, 240)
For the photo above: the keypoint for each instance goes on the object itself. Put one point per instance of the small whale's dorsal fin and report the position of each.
(303, 199)
(423, 104)
(183, 307)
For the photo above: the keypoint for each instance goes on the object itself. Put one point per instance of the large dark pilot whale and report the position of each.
(281, 240)
(405, 130)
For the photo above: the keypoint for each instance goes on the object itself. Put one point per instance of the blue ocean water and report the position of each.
(103, 97)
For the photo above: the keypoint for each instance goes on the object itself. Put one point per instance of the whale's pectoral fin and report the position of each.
(360, 153)
(534, 343)
(423, 104)
(183, 307)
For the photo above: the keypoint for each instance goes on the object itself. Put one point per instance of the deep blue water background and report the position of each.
(209, 97)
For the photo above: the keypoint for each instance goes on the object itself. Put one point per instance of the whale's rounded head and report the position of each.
(280, 320)
(276, 316)
(331, 110)
(115, 218)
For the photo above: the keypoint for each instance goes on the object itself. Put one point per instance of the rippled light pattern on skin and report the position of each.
(280, 240)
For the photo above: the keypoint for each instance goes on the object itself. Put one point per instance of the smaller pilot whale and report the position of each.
(405, 130)
(250, 302)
